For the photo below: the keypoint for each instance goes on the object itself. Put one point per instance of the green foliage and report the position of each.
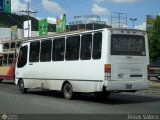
(154, 40)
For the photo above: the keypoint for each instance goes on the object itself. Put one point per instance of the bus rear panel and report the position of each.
(128, 61)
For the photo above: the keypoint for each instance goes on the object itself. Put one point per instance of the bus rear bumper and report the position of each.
(126, 85)
(6, 77)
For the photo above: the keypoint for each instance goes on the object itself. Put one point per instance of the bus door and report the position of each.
(33, 72)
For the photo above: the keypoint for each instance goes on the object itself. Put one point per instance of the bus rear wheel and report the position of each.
(22, 89)
(68, 91)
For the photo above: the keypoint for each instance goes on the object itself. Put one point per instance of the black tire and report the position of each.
(0, 80)
(22, 89)
(68, 91)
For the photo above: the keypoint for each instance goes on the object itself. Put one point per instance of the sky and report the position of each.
(51, 9)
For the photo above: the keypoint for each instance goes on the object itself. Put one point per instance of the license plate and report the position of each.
(129, 86)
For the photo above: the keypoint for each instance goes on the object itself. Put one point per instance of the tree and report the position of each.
(154, 40)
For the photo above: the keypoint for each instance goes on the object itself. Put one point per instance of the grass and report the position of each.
(154, 85)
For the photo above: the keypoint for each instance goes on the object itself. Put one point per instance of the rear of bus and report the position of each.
(7, 66)
(127, 63)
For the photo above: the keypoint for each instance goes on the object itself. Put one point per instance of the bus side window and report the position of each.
(46, 47)
(58, 49)
(1, 60)
(5, 46)
(13, 45)
(11, 59)
(18, 44)
(86, 46)
(22, 59)
(97, 45)
(34, 51)
(72, 48)
(5, 59)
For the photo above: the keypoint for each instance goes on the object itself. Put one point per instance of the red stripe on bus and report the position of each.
(11, 70)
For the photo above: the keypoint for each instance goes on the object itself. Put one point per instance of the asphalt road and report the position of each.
(47, 102)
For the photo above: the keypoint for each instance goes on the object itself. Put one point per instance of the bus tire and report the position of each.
(67, 91)
(0, 80)
(22, 89)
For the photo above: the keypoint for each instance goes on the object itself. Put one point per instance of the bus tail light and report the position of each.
(148, 71)
(107, 69)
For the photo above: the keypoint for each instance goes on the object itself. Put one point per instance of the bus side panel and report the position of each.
(86, 76)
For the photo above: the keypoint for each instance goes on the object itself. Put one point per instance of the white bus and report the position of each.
(99, 61)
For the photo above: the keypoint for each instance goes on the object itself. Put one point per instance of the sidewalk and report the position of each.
(154, 89)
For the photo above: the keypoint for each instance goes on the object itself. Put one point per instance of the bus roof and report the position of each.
(56, 35)
(126, 29)
(64, 34)
(7, 52)
(11, 41)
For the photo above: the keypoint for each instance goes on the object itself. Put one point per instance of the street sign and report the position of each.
(43, 27)
(27, 28)
(1, 5)
(61, 24)
(7, 6)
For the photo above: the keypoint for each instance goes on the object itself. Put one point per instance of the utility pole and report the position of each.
(28, 12)
(119, 19)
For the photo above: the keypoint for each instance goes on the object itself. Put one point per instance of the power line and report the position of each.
(119, 19)
(28, 12)
(62, 3)
(15, 20)
(69, 4)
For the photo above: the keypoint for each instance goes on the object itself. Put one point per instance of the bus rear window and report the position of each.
(133, 45)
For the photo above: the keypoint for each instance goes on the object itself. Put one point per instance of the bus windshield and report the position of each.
(132, 45)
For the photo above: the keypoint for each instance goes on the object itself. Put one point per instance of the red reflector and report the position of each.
(107, 68)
